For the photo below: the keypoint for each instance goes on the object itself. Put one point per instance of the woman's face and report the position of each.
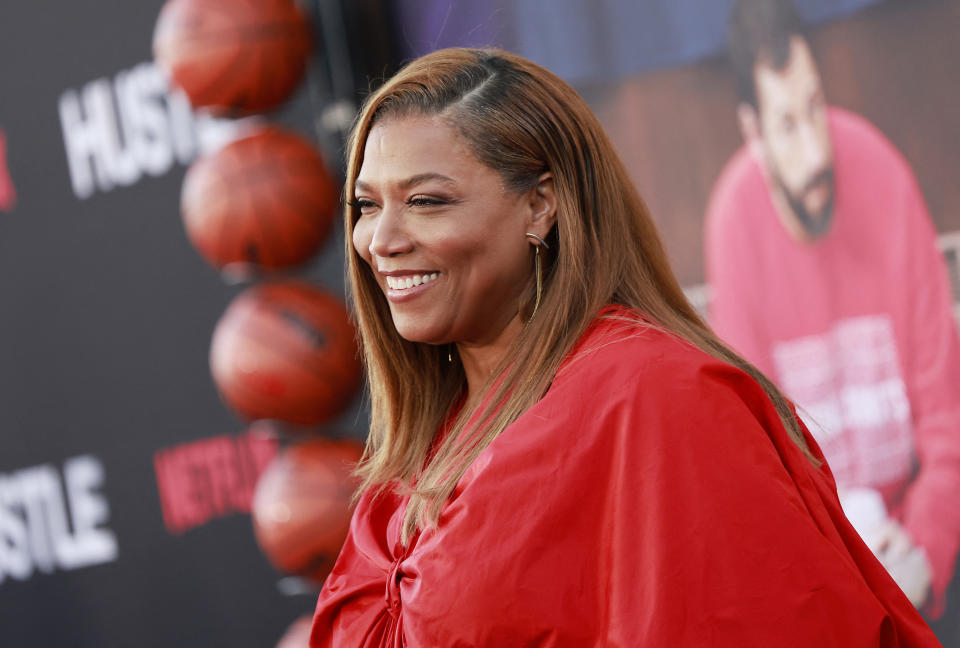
(443, 235)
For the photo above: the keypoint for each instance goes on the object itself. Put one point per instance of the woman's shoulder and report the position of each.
(620, 340)
(623, 354)
(652, 379)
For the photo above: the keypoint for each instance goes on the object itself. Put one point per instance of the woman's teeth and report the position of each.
(402, 283)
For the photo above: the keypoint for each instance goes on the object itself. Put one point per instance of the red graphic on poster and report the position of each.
(209, 478)
(8, 195)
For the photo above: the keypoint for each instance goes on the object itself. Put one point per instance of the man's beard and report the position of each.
(815, 224)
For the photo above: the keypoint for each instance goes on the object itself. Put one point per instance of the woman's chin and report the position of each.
(418, 331)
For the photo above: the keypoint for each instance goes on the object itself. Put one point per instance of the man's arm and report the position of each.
(931, 515)
(734, 312)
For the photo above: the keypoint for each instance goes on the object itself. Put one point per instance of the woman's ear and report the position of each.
(543, 206)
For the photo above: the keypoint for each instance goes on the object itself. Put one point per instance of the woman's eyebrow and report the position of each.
(412, 181)
(420, 178)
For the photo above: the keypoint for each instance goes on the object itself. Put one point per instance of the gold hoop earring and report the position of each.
(538, 269)
(539, 240)
(539, 273)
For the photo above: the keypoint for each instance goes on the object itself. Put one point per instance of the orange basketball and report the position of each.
(285, 350)
(247, 55)
(301, 505)
(262, 202)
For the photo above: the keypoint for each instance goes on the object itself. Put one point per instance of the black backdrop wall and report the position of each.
(123, 480)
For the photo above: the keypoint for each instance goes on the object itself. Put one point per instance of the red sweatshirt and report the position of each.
(856, 327)
(651, 498)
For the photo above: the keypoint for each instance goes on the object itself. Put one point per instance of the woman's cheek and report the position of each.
(362, 236)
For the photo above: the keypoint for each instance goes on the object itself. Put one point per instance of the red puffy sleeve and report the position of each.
(651, 498)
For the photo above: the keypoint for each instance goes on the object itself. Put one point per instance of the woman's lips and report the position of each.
(403, 287)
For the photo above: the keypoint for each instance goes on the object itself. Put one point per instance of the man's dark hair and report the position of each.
(760, 31)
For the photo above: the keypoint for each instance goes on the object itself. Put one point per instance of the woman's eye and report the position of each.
(365, 206)
(425, 201)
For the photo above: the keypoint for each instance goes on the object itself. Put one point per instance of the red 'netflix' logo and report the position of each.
(209, 478)
(8, 195)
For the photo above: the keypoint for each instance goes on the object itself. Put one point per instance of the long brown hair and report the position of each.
(522, 120)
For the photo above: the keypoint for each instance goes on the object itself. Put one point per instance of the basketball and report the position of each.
(260, 203)
(301, 506)
(285, 350)
(226, 55)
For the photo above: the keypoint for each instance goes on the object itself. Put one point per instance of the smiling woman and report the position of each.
(561, 453)
(428, 208)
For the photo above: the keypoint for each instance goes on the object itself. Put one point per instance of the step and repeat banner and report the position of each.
(178, 397)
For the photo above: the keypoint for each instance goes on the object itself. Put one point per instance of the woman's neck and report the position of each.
(480, 360)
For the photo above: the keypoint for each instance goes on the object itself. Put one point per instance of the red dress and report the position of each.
(651, 498)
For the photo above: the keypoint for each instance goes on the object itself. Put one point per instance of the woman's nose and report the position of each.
(390, 236)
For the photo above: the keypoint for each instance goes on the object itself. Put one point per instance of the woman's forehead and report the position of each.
(408, 150)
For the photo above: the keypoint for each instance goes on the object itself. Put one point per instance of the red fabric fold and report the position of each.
(651, 498)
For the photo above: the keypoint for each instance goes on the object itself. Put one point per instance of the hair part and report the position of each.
(759, 32)
(521, 120)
